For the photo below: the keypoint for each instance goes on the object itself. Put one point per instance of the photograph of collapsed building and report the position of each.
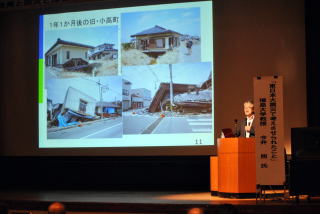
(81, 52)
(161, 37)
(164, 99)
(79, 108)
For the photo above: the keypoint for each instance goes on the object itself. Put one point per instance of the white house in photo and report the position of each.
(65, 51)
(79, 102)
(141, 95)
(126, 94)
(104, 51)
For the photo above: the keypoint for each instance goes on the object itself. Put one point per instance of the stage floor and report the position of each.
(152, 202)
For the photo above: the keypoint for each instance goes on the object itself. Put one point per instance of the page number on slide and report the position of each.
(198, 141)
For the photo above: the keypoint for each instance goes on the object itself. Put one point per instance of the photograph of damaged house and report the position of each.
(81, 52)
(79, 108)
(168, 99)
(161, 37)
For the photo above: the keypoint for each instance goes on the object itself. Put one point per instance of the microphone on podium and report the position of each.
(236, 127)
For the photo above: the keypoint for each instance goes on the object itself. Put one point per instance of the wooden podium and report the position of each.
(235, 168)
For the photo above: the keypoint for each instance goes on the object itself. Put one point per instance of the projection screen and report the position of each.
(135, 77)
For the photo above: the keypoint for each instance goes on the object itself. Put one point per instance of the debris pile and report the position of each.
(134, 57)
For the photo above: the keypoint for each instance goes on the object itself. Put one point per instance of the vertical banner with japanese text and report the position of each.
(268, 100)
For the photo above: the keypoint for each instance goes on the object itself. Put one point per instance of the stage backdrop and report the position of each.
(268, 100)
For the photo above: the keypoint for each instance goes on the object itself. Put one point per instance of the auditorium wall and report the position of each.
(259, 38)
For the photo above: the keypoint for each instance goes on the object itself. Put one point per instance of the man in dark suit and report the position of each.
(246, 126)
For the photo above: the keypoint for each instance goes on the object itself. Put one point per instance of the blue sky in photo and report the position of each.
(57, 88)
(92, 36)
(184, 21)
(151, 76)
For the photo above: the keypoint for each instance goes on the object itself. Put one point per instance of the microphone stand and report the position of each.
(236, 127)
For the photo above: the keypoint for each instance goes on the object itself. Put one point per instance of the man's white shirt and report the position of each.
(249, 123)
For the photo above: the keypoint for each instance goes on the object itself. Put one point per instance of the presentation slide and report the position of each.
(127, 77)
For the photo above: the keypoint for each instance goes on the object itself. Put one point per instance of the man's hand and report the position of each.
(247, 128)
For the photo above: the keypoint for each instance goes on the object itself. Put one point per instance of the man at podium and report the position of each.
(246, 127)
